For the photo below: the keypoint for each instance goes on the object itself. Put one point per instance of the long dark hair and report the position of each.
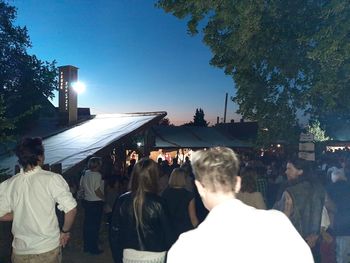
(144, 178)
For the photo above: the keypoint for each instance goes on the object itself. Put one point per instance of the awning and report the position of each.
(193, 137)
(72, 146)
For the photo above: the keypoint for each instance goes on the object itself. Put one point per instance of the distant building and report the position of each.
(68, 99)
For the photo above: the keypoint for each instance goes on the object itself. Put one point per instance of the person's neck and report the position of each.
(29, 168)
(217, 198)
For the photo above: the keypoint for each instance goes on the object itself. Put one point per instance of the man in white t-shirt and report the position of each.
(29, 199)
(233, 231)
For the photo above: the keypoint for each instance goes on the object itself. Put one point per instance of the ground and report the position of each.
(73, 253)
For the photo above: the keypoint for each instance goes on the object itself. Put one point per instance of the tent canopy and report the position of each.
(73, 145)
(193, 137)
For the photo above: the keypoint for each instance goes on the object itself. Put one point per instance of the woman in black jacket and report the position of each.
(139, 217)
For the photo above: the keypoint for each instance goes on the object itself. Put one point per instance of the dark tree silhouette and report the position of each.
(165, 122)
(198, 119)
(24, 79)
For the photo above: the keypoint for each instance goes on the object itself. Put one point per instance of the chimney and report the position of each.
(68, 99)
(217, 120)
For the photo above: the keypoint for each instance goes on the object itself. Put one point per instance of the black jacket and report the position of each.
(156, 235)
(339, 193)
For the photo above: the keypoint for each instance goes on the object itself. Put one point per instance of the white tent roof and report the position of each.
(75, 144)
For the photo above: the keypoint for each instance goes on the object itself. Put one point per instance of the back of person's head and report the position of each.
(216, 168)
(144, 176)
(175, 160)
(132, 162)
(248, 175)
(338, 175)
(94, 163)
(300, 164)
(29, 151)
(178, 178)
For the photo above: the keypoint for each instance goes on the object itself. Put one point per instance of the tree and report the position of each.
(165, 122)
(24, 79)
(284, 56)
(198, 119)
(316, 129)
(6, 126)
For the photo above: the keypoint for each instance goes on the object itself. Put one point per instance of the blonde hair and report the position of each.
(144, 178)
(216, 168)
(178, 178)
(94, 163)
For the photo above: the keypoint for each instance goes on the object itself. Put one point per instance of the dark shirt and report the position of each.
(339, 193)
(155, 236)
(177, 200)
(261, 186)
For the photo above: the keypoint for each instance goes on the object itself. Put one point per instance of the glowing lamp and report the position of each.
(78, 87)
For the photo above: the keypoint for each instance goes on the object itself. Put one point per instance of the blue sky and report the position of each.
(132, 56)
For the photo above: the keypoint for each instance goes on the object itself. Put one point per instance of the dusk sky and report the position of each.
(132, 56)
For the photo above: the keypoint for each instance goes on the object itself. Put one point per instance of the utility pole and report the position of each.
(225, 107)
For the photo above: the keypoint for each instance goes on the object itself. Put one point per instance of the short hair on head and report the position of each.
(94, 163)
(216, 168)
(178, 178)
(28, 151)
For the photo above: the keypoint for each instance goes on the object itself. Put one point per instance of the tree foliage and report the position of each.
(24, 79)
(198, 119)
(165, 122)
(316, 129)
(285, 56)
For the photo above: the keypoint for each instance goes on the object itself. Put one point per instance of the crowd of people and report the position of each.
(213, 206)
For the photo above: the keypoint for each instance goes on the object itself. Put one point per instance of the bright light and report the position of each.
(139, 144)
(78, 87)
(278, 145)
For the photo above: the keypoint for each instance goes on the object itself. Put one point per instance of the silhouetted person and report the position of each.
(93, 186)
(180, 202)
(140, 225)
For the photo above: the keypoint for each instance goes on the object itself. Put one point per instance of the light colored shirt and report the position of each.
(31, 197)
(235, 232)
(90, 182)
